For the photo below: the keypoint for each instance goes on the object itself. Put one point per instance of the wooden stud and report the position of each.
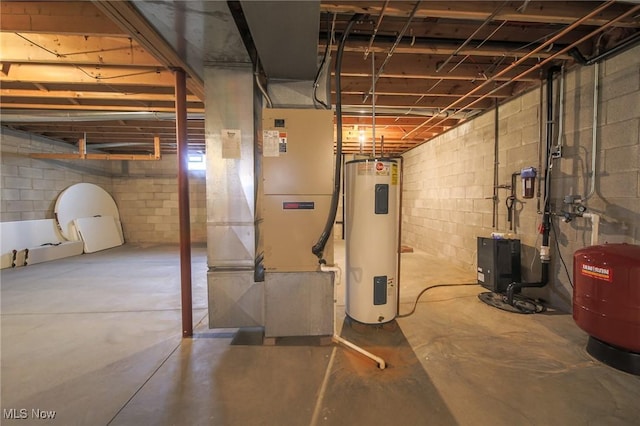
(83, 155)
(82, 147)
(156, 147)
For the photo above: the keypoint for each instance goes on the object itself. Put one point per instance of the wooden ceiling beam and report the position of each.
(45, 74)
(425, 66)
(438, 49)
(59, 94)
(74, 49)
(441, 50)
(79, 17)
(549, 12)
(405, 102)
(111, 131)
(83, 107)
(499, 36)
(83, 155)
(150, 125)
(391, 121)
(134, 24)
(415, 87)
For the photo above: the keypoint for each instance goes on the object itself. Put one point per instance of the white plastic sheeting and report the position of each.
(87, 213)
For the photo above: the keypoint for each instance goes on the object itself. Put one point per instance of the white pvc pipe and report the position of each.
(335, 269)
(595, 227)
(380, 361)
(338, 339)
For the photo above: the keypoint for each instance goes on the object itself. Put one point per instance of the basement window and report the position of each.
(197, 161)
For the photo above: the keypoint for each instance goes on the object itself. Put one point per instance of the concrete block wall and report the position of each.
(146, 192)
(147, 195)
(448, 181)
(30, 186)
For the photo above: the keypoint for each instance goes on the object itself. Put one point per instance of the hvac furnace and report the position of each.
(297, 167)
(298, 182)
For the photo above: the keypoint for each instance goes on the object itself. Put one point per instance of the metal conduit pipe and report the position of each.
(324, 65)
(395, 44)
(464, 43)
(560, 133)
(542, 46)
(533, 68)
(256, 73)
(496, 134)
(363, 110)
(594, 130)
(625, 44)
(511, 49)
(373, 104)
(376, 28)
(540, 131)
(319, 246)
(599, 57)
(545, 257)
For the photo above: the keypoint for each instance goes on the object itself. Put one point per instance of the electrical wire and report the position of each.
(58, 55)
(555, 233)
(99, 78)
(322, 64)
(324, 60)
(424, 290)
(319, 246)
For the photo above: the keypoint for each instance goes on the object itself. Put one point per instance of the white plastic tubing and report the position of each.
(338, 339)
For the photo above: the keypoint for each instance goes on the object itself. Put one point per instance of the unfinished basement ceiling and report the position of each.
(68, 67)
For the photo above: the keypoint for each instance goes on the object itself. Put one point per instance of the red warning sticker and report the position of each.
(597, 272)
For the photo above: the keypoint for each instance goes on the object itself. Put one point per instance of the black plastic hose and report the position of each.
(318, 248)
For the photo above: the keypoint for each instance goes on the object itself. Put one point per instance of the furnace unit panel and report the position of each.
(297, 168)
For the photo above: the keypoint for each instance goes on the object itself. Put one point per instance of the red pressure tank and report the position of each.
(606, 302)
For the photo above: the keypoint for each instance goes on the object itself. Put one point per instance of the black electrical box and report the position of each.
(498, 263)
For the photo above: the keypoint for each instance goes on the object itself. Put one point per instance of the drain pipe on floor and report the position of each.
(545, 257)
(336, 337)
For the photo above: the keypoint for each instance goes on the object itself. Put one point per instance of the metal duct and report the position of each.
(286, 36)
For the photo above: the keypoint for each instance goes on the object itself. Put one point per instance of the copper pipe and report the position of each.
(538, 65)
(524, 58)
(183, 203)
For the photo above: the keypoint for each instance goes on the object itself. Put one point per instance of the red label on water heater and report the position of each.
(597, 272)
(298, 205)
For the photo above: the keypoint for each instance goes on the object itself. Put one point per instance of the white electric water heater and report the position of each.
(372, 222)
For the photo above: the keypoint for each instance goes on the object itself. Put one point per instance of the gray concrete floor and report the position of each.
(97, 339)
